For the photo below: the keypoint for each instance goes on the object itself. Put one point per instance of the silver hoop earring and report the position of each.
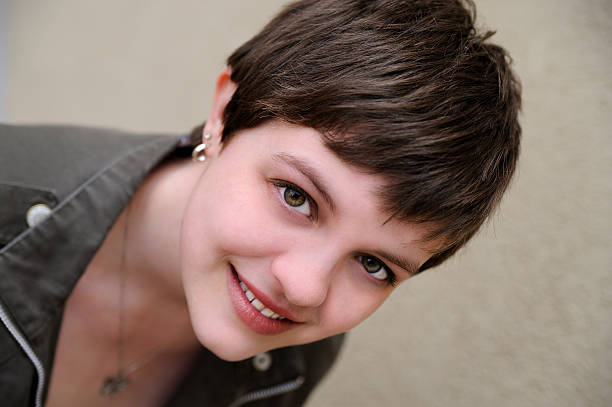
(199, 153)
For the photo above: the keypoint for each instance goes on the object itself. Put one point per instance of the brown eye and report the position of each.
(297, 199)
(293, 197)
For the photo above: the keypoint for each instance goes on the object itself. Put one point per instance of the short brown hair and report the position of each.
(406, 89)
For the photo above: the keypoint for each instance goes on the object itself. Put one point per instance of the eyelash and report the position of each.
(314, 209)
(391, 279)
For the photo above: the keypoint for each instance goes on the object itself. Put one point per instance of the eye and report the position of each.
(377, 269)
(296, 198)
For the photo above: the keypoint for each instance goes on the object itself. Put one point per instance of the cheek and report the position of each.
(351, 300)
(233, 217)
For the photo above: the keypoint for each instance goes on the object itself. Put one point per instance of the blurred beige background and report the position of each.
(522, 317)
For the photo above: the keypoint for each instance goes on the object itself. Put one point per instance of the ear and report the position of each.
(223, 93)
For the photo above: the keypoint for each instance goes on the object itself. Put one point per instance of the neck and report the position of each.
(156, 215)
(154, 296)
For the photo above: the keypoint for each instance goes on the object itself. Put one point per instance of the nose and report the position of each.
(305, 276)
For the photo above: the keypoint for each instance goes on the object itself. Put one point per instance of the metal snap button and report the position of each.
(37, 213)
(262, 361)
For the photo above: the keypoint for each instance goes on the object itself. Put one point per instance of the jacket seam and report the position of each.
(80, 188)
(27, 185)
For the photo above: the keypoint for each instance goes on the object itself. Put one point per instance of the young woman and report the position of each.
(350, 145)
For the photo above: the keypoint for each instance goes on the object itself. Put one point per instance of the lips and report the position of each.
(265, 311)
(255, 309)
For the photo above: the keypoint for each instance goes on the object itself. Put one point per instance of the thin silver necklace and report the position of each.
(114, 384)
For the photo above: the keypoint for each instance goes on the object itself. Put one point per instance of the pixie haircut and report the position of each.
(405, 89)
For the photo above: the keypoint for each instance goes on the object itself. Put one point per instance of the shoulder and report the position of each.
(59, 157)
(44, 165)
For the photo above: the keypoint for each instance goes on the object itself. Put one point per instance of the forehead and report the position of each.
(304, 148)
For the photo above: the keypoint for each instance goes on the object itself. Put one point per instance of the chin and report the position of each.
(231, 354)
(228, 346)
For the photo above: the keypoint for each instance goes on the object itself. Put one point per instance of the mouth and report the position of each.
(255, 309)
(255, 302)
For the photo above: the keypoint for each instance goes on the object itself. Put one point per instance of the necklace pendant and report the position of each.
(113, 385)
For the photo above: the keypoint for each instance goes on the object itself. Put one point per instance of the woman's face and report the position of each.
(279, 217)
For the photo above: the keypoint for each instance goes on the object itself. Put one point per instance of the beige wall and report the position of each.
(522, 317)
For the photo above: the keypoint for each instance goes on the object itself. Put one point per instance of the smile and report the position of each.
(261, 314)
(263, 310)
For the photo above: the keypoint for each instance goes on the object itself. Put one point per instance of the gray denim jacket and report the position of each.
(61, 189)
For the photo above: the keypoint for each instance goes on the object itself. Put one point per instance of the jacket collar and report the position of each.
(40, 267)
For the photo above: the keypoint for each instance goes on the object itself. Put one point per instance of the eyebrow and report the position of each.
(309, 172)
(411, 267)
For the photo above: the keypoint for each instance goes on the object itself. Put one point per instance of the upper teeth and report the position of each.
(265, 311)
